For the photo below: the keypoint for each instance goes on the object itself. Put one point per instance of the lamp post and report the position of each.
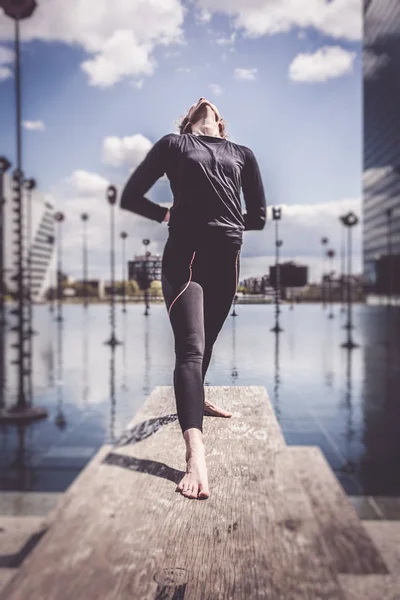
(331, 255)
(112, 199)
(389, 252)
(276, 216)
(85, 217)
(4, 166)
(59, 217)
(123, 236)
(30, 184)
(349, 220)
(324, 242)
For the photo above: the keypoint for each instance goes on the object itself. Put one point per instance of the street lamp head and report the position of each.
(17, 175)
(4, 164)
(350, 219)
(84, 216)
(30, 184)
(324, 240)
(112, 194)
(18, 9)
(146, 242)
(123, 235)
(331, 253)
(279, 243)
(59, 216)
(276, 213)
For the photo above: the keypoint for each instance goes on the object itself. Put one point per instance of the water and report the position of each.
(345, 402)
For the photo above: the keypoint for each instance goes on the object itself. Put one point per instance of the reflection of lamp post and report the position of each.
(146, 277)
(331, 255)
(389, 252)
(123, 236)
(349, 220)
(84, 217)
(276, 216)
(112, 199)
(324, 242)
(59, 217)
(342, 264)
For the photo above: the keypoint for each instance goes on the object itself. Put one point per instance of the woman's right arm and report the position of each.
(142, 179)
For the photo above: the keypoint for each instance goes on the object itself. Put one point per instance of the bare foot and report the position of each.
(195, 483)
(213, 410)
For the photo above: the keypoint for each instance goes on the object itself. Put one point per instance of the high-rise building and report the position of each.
(40, 246)
(381, 223)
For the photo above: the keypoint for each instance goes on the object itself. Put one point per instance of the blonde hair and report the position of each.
(185, 126)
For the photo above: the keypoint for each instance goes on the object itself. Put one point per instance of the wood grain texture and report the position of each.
(370, 587)
(124, 532)
(352, 549)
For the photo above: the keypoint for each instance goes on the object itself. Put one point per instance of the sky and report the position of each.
(103, 81)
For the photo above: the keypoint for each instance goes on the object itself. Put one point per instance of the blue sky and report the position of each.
(305, 132)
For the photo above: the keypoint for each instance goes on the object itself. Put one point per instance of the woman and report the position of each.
(200, 263)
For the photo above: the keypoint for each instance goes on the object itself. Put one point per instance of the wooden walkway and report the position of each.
(277, 524)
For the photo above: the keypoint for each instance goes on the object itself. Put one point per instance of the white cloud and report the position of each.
(246, 74)
(215, 88)
(6, 57)
(34, 125)
(5, 73)
(183, 69)
(126, 151)
(338, 18)
(203, 15)
(324, 64)
(118, 37)
(223, 41)
(88, 184)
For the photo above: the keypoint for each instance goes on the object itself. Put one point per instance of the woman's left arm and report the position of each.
(141, 180)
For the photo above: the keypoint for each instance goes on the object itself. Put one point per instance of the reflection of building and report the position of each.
(41, 245)
(381, 233)
(140, 265)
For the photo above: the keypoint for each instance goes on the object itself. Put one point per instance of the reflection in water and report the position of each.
(85, 356)
(234, 371)
(124, 386)
(351, 412)
(277, 379)
(381, 407)
(60, 420)
(351, 433)
(147, 356)
(113, 402)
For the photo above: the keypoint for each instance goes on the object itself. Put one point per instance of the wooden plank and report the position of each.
(370, 587)
(386, 535)
(5, 577)
(344, 534)
(124, 531)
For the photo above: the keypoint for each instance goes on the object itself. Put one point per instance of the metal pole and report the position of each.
(112, 198)
(389, 251)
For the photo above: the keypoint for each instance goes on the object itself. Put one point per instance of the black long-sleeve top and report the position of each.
(206, 174)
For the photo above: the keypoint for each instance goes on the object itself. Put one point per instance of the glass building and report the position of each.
(38, 244)
(381, 186)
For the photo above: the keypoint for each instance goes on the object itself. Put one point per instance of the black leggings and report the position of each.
(199, 282)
